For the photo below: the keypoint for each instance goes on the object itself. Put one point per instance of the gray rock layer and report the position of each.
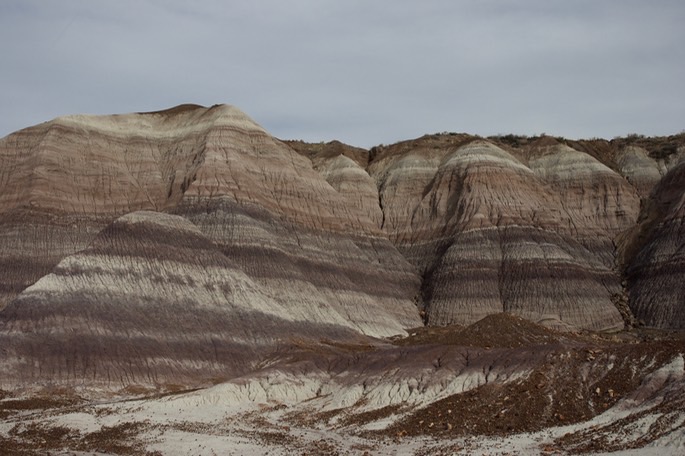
(153, 300)
(282, 256)
(185, 245)
(656, 275)
(492, 235)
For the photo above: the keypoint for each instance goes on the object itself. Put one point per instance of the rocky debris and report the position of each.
(621, 302)
(494, 331)
(577, 393)
(660, 423)
(571, 385)
(11, 406)
(32, 438)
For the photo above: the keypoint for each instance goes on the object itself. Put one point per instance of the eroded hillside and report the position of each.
(322, 297)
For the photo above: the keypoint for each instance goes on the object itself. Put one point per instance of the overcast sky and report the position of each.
(361, 71)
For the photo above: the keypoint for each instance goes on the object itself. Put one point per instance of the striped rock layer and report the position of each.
(494, 235)
(537, 228)
(119, 294)
(153, 299)
(656, 273)
(190, 245)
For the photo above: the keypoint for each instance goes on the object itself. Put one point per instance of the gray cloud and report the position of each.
(361, 71)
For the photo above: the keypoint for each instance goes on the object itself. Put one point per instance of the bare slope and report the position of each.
(308, 242)
(267, 215)
(153, 301)
(574, 393)
(491, 234)
(655, 272)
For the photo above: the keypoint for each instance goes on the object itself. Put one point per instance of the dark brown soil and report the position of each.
(572, 378)
(424, 144)
(494, 331)
(315, 151)
(33, 438)
(573, 384)
(11, 407)
(176, 109)
(360, 419)
(613, 437)
(657, 147)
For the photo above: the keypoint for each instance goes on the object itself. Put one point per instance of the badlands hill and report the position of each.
(187, 248)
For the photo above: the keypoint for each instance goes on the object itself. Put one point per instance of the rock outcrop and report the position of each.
(252, 293)
(599, 203)
(65, 180)
(273, 223)
(344, 168)
(491, 235)
(656, 272)
(195, 243)
(153, 300)
(639, 169)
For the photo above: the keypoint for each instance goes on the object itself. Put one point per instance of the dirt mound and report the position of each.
(571, 385)
(315, 151)
(494, 331)
(182, 108)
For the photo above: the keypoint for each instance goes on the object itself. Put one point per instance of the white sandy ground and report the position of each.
(230, 431)
(217, 421)
(233, 438)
